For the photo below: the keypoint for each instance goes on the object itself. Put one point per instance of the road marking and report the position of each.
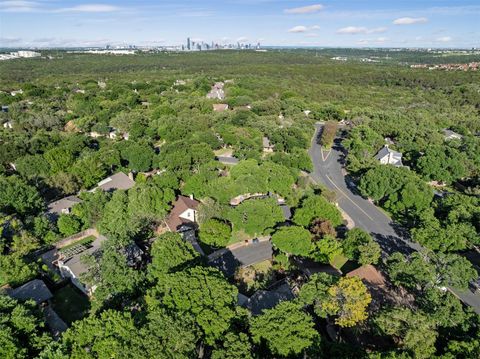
(346, 196)
(328, 154)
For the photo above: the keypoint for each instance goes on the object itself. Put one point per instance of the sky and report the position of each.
(329, 23)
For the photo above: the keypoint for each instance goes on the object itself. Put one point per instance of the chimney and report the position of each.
(191, 197)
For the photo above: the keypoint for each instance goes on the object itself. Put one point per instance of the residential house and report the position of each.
(16, 92)
(71, 264)
(267, 299)
(451, 135)
(62, 206)
(95, 134)
(4, 108)
(267, 146)
(220, 107)
(115, 182)
(184, 212)
(35, 290)
(217, 91)
(8, 125)
(387, 156)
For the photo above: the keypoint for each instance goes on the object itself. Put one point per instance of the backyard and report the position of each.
(70, 304)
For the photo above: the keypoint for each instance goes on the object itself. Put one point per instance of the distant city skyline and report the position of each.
(347, 23)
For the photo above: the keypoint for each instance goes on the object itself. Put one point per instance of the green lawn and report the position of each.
(339, 261)
(86, 240)
(70, 304)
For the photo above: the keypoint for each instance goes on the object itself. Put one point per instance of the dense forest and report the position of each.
(69, 121)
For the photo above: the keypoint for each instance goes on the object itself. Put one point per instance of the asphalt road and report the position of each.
(328, 170)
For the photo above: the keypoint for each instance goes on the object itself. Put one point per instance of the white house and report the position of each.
(8, 125)
(451, 135)
(387, 156)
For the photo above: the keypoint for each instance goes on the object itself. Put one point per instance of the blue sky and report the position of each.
(342, 23)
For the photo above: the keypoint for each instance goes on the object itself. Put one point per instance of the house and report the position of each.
(4, 108)
(267, 146)
(220, 107)
(71, 265)
(62, 206)
(16, 92)
(35, 290)
(217, 91)
(267, 299)
(112, 134)
(387, 156)
(184, 212)
(8, 125)
(451, 135)
(95, 134)
(117, 181)
(287, 213)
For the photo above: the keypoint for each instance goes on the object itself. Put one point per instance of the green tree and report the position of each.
(414, 331)
(254, 216)
(15, 270)
(202, 292)
(326, 249)
(215, 233)
(315, 292)
(60, 159)
(170, 253)
(17, 196)
(234, 346)
(285, 329)
(314, 207)
(22, 328)
(360, 246)
(293, 240)
(69, 224)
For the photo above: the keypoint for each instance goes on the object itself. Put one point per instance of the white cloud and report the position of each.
(381, 40)
(297, 29)
(242, 39)
(305, 9)
(91, 8)
(18, 6)
(362, 42)
(354, 30)
(410, 20)
(312, 34)
(315, 27)
(444, 39)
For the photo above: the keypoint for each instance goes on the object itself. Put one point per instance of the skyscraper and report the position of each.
(188, 44)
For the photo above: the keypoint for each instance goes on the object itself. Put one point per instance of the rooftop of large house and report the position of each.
(117, 181)
(451, 135)
(267, 299)
(388, 156)
(369, 274)
(220, 107)
(182, 204)
(72, 257)
(35, 290)
(62, 205)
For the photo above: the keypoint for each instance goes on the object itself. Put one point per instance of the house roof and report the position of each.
(370, 275)
(75, 264)
(393, 157)
(266, 142)
(35, 289)
(267, 299)
(449, 134)
(287, 213)
(182, 203)
(65, 203)
(218, 107)
(117, 181)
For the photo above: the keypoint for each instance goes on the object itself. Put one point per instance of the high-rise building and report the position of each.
(188, 44)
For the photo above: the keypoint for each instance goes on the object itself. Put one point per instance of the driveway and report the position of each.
(329, 170)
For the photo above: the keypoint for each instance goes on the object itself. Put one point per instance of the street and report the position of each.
(328, 170)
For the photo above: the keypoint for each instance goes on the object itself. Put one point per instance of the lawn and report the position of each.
(70, 304)
(85, 241)
(339, 261)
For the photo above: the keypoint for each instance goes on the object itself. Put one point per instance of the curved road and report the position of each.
(329, 170)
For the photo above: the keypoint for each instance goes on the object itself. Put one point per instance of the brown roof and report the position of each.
(181, 205)
(370, 275)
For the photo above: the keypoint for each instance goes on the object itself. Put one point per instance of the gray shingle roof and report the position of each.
(58, 207)
(35, 289)
(390, 156)
(117, 181)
